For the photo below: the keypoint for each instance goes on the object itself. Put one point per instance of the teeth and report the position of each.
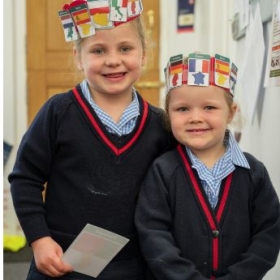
(115, 75)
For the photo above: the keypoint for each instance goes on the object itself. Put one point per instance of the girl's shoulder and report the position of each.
(255, 164)
(55, 107)
(58, 103)
(258, 172)
(61, 98)
(168, 163)
(160, 114)
(158, 111)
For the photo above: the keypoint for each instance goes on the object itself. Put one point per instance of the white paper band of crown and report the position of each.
(199, 69)
(81, 18)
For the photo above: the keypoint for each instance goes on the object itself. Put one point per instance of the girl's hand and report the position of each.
(48, 257)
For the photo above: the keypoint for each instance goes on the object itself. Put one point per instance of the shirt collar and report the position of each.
(238, 157)
(131, 111)
(233, 153)
(128, 118)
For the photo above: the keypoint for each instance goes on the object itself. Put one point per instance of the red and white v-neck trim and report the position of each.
(212, 219)
(117, 151)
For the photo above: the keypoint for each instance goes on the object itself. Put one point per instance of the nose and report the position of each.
(195, 116)
(112, 61)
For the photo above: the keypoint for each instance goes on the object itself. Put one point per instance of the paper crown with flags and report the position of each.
(200, 70)
(81, 18)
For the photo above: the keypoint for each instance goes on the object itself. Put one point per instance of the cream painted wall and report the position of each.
(15, 73)
(14, 96)
(261, 137)
(212, 34)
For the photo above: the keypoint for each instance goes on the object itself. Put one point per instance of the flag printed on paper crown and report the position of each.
(222, 71)
(81, 18)
(118, 10)
(134, 8)
(176, 71)
(100, 13)
(200, 70)
(69, 27)
(232, 78)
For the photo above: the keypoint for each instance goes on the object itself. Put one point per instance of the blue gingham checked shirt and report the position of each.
(211, 178)
(127, 120)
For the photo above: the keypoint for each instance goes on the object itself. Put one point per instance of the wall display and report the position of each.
(185, 15)
(252, 65)
(273, 62)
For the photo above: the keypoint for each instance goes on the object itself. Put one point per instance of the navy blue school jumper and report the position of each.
(182, 238)
(92, 176)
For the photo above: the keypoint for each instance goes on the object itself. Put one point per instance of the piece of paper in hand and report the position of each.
(93, 249)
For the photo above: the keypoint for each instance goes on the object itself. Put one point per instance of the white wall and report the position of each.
(15, 70)
(211, 35)
(14, 95)
(261, 137)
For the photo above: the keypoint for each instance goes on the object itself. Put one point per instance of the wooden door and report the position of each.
(50, 64)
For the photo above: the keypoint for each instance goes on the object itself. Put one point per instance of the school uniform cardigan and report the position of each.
(182, 238)
(92, 176)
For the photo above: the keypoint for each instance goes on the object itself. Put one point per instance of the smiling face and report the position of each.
(199, 117)
(112, 60)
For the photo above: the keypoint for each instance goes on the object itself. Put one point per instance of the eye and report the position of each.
(182, 109)
(125, 49)
(209, 107)
(97, 51)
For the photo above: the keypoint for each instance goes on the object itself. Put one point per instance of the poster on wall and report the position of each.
(272, 77)
(251, 68)
(185, 16)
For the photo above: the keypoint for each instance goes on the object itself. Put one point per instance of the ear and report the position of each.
(144, 58)
(232, 112)
(77, 59)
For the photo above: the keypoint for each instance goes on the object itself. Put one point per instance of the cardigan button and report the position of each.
(215, 273)
(215, 233)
